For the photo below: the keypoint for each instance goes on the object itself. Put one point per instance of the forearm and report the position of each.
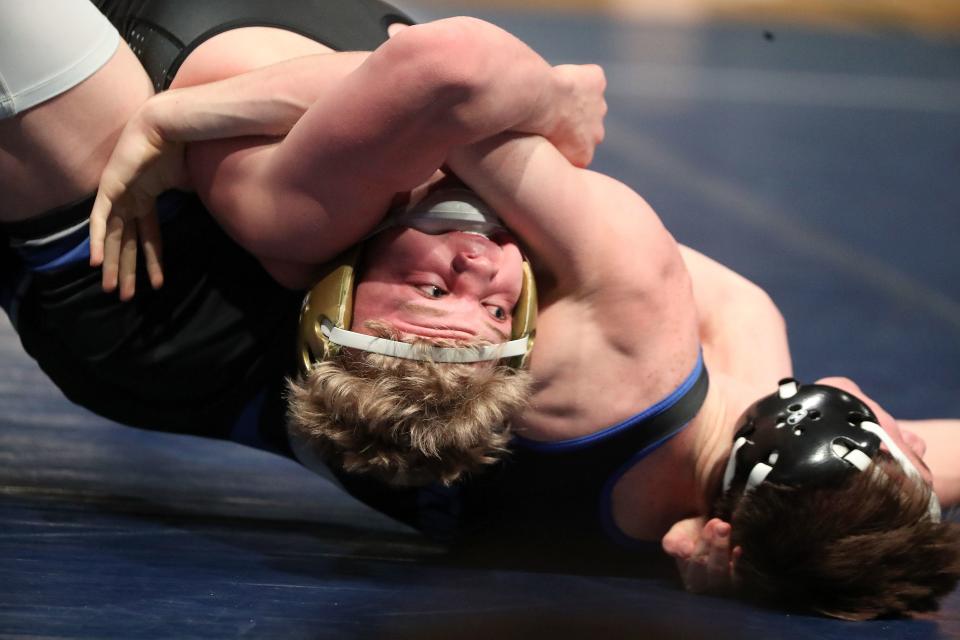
(371, 125)
(430, 88)
(566, 216)
(942, 439)
(384, 128)
(266, 101)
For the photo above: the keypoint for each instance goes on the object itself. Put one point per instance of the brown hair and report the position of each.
(404, 421)
(861, 550)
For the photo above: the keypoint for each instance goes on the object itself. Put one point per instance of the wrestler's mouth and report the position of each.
(413, 331)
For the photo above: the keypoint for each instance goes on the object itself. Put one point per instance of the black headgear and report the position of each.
(807, 435)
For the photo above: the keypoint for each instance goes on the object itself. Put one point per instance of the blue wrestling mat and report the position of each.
(823, 165)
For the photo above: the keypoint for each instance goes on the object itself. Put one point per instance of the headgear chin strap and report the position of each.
(809, 435)
(327, 310)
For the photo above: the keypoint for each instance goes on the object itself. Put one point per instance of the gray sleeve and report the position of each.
(47, 47)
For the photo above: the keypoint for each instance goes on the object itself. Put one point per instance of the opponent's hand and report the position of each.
(702, 551)
(578, 110)
(143, 165)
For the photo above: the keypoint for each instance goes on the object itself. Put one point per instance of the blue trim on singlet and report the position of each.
(605, 501)
(65, 251)
(593, 438)
(605, 507)
(75, 247)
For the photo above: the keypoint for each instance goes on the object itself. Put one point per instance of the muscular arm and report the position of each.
(149, 156)
(616, 305)
(384, 128)
(374, 125)
(942, 450)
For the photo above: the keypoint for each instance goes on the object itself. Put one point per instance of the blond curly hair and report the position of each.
(407, 422)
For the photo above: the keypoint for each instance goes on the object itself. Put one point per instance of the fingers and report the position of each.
(717, 543)
(128, 262)
(98, 227)
(680, 542)
(118, 252)
(150, 239)
(703, 554)
(111, 252)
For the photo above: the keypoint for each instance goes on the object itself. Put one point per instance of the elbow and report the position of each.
(451, 60)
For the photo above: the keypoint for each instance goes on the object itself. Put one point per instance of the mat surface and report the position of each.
(823, 165)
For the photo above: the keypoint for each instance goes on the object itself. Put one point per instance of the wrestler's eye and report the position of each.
(496, 312)
(432, 290)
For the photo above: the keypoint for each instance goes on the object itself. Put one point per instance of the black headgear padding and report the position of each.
(802, 435)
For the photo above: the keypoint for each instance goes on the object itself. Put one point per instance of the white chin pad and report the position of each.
(387, 347)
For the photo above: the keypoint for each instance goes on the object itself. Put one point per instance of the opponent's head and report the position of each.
(830, 511)
(390, 338)
(810, 435)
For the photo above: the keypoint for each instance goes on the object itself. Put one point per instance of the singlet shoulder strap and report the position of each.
(616, 445)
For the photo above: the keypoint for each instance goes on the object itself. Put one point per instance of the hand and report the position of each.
(143, 165)
(578, 113)
(702, 551)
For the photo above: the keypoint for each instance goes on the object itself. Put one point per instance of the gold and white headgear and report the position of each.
(328, 308)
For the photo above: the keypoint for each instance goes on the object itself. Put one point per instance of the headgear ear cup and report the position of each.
(327, 312)
(331, 298)
(525, 316)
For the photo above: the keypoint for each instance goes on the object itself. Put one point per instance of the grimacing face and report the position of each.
(454, 285)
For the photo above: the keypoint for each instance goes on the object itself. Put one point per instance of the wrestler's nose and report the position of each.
(474, 262)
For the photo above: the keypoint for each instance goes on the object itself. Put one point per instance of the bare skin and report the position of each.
(606, 310)
(431, 87)
(608, 322)
(53, 154)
